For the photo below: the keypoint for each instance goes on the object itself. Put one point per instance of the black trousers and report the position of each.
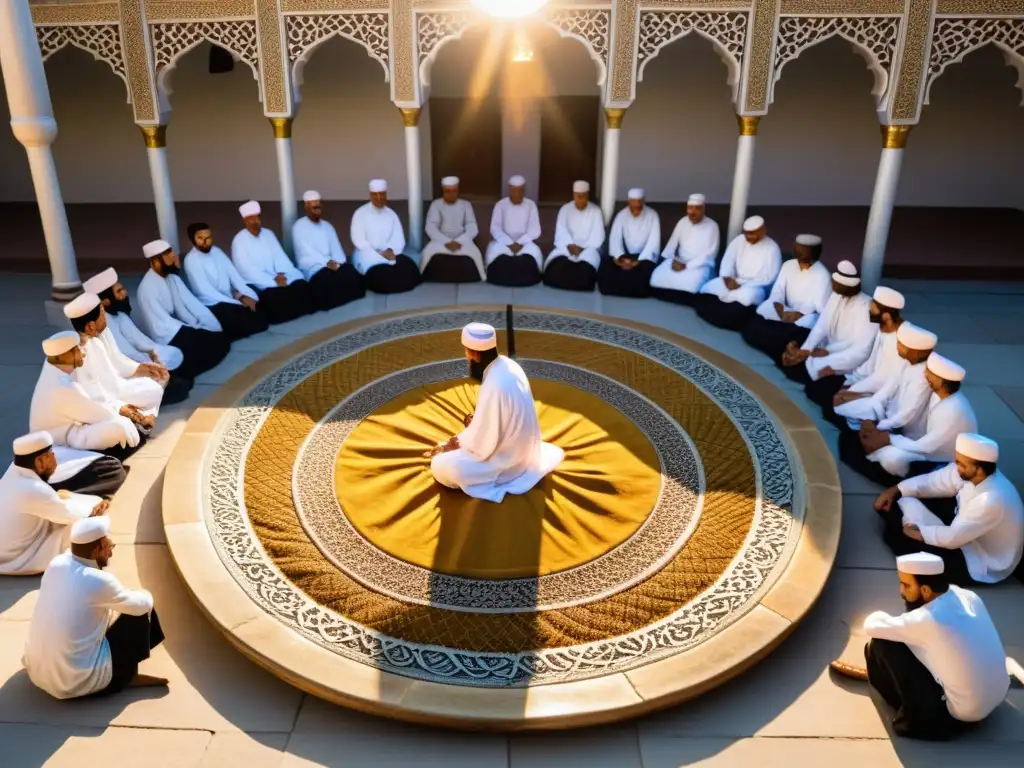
(202, 350)
(333, 287)
(101, 478)
(682, 298)
(730, 315)
(569, 275)
(122, 454)
(451, 268)
(400, 277)
(852, 454)
(513, 271)
(901, 544)
(177, 389)
(772, 336)
(131, 638)
(635, 283)
(910, 689)
(238, 321)
(288, 302)
(821, 391)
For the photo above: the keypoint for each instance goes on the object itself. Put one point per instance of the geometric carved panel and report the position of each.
(726, 30)
(368, 29)
(592, 26)
(170, 40)
(103, 41)
(953, 39)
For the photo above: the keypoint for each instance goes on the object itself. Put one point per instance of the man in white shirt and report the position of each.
(69, 469)
(89, 633)
(796, 301)
(379, 240)
(320, 257)
(633, 248)
(451, 254)
(941, 665)
(579, 237)
(513, 257)
(749, 268)
(171, 314)
(218, 286)
(688, 260)
(263, 264)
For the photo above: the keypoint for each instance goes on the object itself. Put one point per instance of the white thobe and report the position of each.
(106, 374)
(315, 244)
(954, 638)
(514, 224)
(166, 304)
(754, 267)
(375, 230)
(501, 450)
(696, 246)
(946, 419)
(844, 329)
(35, 522)
(64, 409)
(452, 223)
(903, 407)
(882, 368)
(136, 345)
(584, 229)
(214, 279)
(260, 258)
(67, 654)
(806, 291)
(989, 521)
(639, 236)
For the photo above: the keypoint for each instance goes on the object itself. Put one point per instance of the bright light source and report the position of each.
(522, 51)
(509, 9)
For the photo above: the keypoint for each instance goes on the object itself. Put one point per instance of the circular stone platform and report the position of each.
(692, 524)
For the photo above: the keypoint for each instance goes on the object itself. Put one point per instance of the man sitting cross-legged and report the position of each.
(688, 260)
(320, 257)
(633, 247)
(379, 240)
(451, 255)
(513, 257)
(579, 237)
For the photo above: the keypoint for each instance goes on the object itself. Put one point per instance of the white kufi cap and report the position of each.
(921, 564)
(81, 306)
(479, 336)
(977, 447)
(846, 274)
(378, 185)
(310, 196)
(517, 181)
(696, 200)
(915, 337)
(580, 187)
(101, 282)
(450, 181)
(945, 368)
(887, 297)
(637, 194)
(252, 208)
(60, 342)
(753, 224)
(808, 240)
(33, 443)
(91, 529)
(155, 248)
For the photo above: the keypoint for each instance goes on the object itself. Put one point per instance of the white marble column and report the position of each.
(286, 177)
(894, 140)
(160, 175)
(414, 172)
(742, 175)
(33, 125)
(610, 161)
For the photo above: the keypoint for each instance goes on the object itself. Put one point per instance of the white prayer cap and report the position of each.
(637, 194)
(974, 446)
(91, 529)
(33, 443)
(920, 564)
(580, 187)
(61, 342)
(252, 208)
(887, 297)
(915, 337)
(479, 336)
(846, 274)
(155, 248)
(517, 181)
(945, 368)
(379, 185)
(808, 240)
(753, 224)
(310, 196)
(696, 200)
(450, 181)
(101, 282)
(81, 306)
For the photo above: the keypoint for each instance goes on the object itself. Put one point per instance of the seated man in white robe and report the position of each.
(500, 451)
(633, 247)
(451, 254)
(579, 237)
(379, 240)
(261, 261)
(749, 268)
(688, 260)
(171, 314)
(69, 469)
(320, 257)
(35, 518)
(841, 339)
(63, 408)
(218, 286)
(797, 299)
(88, 632)
(940, 666)
(887, 457)
(513, 257)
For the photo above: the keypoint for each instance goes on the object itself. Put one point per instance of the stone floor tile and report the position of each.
(426, 295)
(264, 343)
(1013, 397)
(61, 747)
(662, 752)
(988, 364)
(861, 545)
(980, 302)
(232, 364)
(1002, 327)
(483, 293)
(995, 417)
(136, 509)
(17, 597)
(245, 750)
(954, 327)
(542, 296)
(604, 747)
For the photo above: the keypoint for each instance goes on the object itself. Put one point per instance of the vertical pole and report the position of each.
(610, 161)
(743, 173)
(414, 172)
(160, 175)
(894, 140)
(286, 177)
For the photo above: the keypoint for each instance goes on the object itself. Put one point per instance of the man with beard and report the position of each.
(579, 235)
(500, 451)
(217, 284)
(513, 257)
(941, 666)
(171, 314)
(451, 255)
(319, 255)
(689, 257)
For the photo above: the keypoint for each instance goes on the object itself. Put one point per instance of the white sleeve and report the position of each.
(596, 234)
(337, 252)
(943, 433)
(433, 225)
(481, 438)
(397, 240)
(154, 316)
(911, 407)
(616, 246)
(472, 228)
(282, 264)
(124, 366)
(532, 225)
(669, 251)
(498, 225)
(819, 333)
(728, 268)
(131, 341)
(778, 293)
(244, 262)
(74, 405)
(769, 270)
(901, 629)
(206, 318)
(237, 283)
(49, 506)
(881, 379)
(563, 238)
(198, 281)
(853, 353)
(981, 515)
(306, 256)
(115, 597)
(653, 244)
(945, 482)
(707, 255)
(360, 237)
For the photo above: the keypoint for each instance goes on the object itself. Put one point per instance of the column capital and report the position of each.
(748, 124)
(39, 131)
(895, 136)
(410, 116)
(282, 127)
(613, 117)
(155, 136)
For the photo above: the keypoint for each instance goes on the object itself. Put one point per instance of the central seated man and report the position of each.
(500, 451)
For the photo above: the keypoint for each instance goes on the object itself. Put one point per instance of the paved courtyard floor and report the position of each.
(222, 710)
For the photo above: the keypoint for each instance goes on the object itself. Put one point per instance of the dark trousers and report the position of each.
(122, 453)
(131, 638)
(635, 283)
(682, 298)
(821, 391)
(901, 544)
(910, 689)
(772, 336)
(400, 277)
(451, 268)
(851, 453)
(730, 315)
(101, 478)
(201, 349)
(568, 275)
(177, 389)
(287, 302)
(238, 321)
(513, 271)
(333, 287)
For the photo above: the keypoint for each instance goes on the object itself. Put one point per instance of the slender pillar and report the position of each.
(610, 162)
(32, 122)
(160, 174)
(744, 171)
(894, 140)
(414, 169)
(286, 177)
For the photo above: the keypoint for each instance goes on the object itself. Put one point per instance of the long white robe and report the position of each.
(881, 369)
(903, 408)
(106, 374)
(799, 290)
(696, 246)
(584, 229)
(754, 267)
(501, 450)
(452, 223)
(315, 244)
(514, 224)
(260, 258)
(136, 345)
(35, 522)
(637, 235)
(166, 304)
(845, 330)
(947, 418)
(375, 230)
(214, 279)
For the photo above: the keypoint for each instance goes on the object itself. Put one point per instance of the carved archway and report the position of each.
(955, 39)
(103, 41)
(306, 33)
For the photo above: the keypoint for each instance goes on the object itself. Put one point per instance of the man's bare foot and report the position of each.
(147, 681)
(843, 669)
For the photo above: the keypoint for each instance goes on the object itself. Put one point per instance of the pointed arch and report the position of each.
(103, 41)
(955, 39)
